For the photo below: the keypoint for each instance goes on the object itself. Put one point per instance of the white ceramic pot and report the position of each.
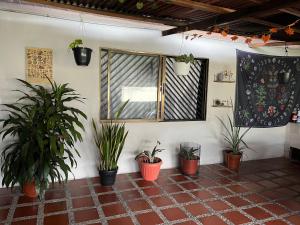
(182, 68)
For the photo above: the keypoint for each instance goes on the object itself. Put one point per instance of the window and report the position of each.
(154, 91)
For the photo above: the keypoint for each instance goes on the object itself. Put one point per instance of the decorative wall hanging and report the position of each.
(267, 89)
(39, 65)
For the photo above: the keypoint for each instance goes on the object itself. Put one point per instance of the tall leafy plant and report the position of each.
(40, 132)
(110, 140)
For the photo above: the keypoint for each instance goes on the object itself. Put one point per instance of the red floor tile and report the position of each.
(5, 200)
(151, 191)
(221, 191)
(61, 219)
(136, 175)
(55, 207)
(276, 222)
(255, 198)
(223, 181)
(75, 191)
(138, 205)
(24, 199)
(291, 204)
(57, 194)
(206, 182)
(257, 213)
(3, 214)
(276, 209)
(295, 219)
(83, 202)
(236, 217)
(212, 220)
(119, 221)
(162, 201)
(25, 222)
(196, 209)
(173, 188)
(189, 185)
(163, 181)
(144, 183)
(113, 209)
(183, 198)
(102, 189)
(77, 183)
(237, 188)
(203, 195)
(268, 184)
(26, 211)
(124, 185)
(218, 205)
(149, 218)
(108, 198)
(173, 214)
(237, 201)
(85, 215)
(179, 178)
(190, 222)
(130, 195)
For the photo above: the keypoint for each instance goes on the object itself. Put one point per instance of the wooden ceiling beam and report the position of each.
(74, 8)
(273, 44)
(228, 18)
(200, 6)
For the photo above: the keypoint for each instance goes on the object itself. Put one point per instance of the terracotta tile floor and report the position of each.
(264, 192)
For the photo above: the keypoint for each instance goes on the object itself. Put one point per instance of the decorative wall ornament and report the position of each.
(39, 65)
(268, 89)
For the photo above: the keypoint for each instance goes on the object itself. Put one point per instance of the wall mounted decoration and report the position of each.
(222, 103)
(225, 76)
(39, 65)
(267, 89)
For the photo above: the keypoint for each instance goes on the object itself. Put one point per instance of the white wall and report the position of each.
(18, 31)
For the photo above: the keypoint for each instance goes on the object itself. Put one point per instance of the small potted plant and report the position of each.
(110, 140)
(82, 55)
(189, 161)
(183, 64)
(150, 164)
(234, 137)
(261, 97)
(39, 134)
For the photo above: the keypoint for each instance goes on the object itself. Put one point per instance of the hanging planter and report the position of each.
(82, 55)
(183, 64)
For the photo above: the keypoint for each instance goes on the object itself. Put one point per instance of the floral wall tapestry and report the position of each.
(39, 65)
(267, 89)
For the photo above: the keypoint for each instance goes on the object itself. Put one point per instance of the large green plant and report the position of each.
(234, 136)
(39, 133)
(110, 140)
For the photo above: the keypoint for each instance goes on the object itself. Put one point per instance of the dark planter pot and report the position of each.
(234, 162)
(225, 154)
(108, 178)
(189, 167)
(82, 56)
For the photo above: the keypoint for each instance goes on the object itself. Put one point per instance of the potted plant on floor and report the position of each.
(110, 140)
(150, 164)
(234, 137)
(39, 135)
(82, 55)
(182, 64)
(188, 159)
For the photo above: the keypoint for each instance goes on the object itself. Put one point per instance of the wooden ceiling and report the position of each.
(243, 17)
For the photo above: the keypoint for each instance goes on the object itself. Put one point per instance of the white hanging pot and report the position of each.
(182, 68)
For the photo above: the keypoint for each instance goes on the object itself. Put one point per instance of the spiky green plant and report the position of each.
(150, 156)
(40, 131)
(110, 140)
(234, 137)
(188, 153)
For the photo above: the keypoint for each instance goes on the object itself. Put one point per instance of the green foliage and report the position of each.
(40, 132)
(139, 5)
(188, 153)
(261, 95)
(110, 141)
(185, 58)
(234, 136)
(75, 43)
(148, 156)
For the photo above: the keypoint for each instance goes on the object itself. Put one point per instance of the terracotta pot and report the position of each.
(189, 167)
(225, 154)
(150, 171)
(234, 161)
(29, 190)
(260, 108)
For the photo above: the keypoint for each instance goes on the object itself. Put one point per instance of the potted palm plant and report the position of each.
(234, 138)
(110, 140)
(182, 64)
(188, 159)
(82, 55)
(39, 135)
(150, 164)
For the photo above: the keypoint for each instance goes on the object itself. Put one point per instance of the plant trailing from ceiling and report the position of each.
(82, 55)
(110, 140)
(185, 58)
(40, 132)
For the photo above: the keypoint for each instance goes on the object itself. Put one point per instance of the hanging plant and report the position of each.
(139, 5)
(82, 55)
(183, 64)
(289, 31)
(266, 37)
